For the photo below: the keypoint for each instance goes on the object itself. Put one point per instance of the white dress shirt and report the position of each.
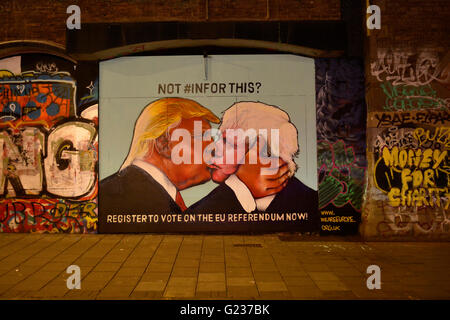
(159, 177)
(245, 197)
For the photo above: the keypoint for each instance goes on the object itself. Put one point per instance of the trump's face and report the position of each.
(186, 143)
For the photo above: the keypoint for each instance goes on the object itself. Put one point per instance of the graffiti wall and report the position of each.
(408, 145)
(341, 148)
(48, 145)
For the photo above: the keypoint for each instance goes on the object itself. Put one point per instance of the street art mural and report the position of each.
(408, 135)
(48, 167)
(341, 113)
(230, 154)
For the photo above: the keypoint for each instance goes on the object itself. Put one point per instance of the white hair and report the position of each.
(257, 116)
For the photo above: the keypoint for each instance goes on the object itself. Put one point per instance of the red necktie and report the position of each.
(180, 202)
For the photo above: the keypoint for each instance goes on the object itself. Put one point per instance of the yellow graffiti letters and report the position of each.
(401, 159)
(441, 135)
(419, 197)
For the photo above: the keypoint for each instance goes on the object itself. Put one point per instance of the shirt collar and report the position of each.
(158, 175)
(245, 197)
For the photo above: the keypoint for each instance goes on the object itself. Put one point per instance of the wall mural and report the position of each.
(48, 167)
(409, 142)
(234, 153)
(48, 134)
(341, 126)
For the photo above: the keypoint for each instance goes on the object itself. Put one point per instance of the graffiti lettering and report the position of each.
(395, 137)
(46, 67)
(407, 68)
(23, 155)
(387, 119)
(404, 97)
(413, 158)
(36, 215)
(427, 139)
(414, 177)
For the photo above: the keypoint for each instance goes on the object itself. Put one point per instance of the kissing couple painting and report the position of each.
(251, 157)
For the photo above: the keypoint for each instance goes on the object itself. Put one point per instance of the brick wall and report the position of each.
(45, 19)
(407, 66)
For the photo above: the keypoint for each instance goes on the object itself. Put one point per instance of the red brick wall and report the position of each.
(46, 19)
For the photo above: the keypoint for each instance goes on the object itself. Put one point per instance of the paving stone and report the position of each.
(156, 285)
(272, 286)
(179, 292)
(241, 281)
(107, 266)
(274, 295)
(50, 291)
(185, 272)
(149, 276)
(292, 272)
(316, 267)
(211, 277)
(212, 267)
(299, 281)
(267, 276)
(187, 263)
(115, 292)
(98, 275)
(211, 286)
(239, 272)
(247, 292)
(159, 267)
(136, 263)
(305, 292)
(93, 285)
(124, 281)
(339, 295)
(55, 267)
(323, 276)
(130, 271)
(35, 281)
(331, 286)
(270, 267)
(87, 261)
(182, 281)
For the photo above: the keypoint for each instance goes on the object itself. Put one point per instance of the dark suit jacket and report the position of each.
(294, 198)
(134, 191)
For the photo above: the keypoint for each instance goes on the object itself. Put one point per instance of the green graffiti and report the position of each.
(341, 180)
(405, 97)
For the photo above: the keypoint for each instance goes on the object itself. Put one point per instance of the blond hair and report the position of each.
(157, 118)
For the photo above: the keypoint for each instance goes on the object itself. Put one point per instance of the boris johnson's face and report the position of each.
(252, 163)
(187, 146)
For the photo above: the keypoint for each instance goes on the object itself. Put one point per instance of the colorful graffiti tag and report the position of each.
(341, 144)
(48, 166)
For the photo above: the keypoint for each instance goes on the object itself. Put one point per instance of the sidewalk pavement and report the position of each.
(33, 266)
